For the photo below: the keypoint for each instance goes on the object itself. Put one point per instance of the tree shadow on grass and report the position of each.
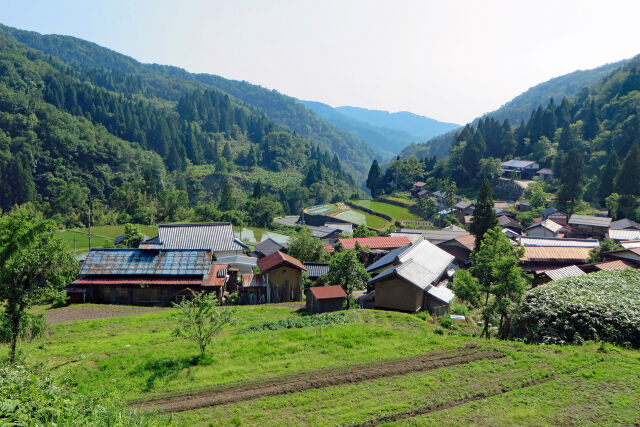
(168, 368)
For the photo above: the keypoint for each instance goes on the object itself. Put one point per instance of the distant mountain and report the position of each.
(420, 127)
(171, 83)
(522, 106)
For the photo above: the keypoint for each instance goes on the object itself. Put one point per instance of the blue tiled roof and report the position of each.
(144, 261)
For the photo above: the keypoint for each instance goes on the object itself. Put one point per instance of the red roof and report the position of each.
(276, 259)
(468, 241)
(212, 279)
(419, 184)
(327, 292)
(137, 281)
(376, 242)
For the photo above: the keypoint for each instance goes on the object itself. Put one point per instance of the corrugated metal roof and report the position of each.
(328, 292)
(434, 236)
(570, 271)
(217, 236)
(216, 276)
(249, 280)
(621, 224)
(548, 224)
(558, 242)
(442, 293)
(143, 261)
(321, 232)
(556, 254)
(316, 269)
(548, 211)
(375, 242)
(630, 245)
(238, 260)
(463, 204)
(517, 163)
(624, 234)
(594, 221)
(412, 272)
(276, 259)
(388, 258)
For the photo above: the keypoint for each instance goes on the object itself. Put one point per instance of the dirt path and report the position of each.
(90, 311)
(423, 410)
(312, 380)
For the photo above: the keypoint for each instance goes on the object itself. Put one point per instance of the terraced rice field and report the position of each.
(397, 212)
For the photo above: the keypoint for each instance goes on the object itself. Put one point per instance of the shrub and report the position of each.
(30, 398)
(424, 315)
(323, 319)
(445, 322)
(459, 309)
(602, 305)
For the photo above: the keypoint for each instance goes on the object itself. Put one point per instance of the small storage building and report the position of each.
(323, 299)
(283, 277)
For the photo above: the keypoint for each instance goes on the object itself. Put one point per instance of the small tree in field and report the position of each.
(494, 283)
(34, 265)
(347, 271)
(200, 319)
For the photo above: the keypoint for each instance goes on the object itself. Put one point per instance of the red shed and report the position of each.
(323, 299)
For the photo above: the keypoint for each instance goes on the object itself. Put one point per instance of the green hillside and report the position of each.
(114, 71)
(521, 107)
(143, 148)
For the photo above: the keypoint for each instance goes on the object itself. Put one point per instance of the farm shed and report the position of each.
(460, 247)
(323, 299)
(587, 225)
(142, 276)
(316, 269)
(283, 277)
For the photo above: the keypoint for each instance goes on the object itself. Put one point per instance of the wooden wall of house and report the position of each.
(286, 284)
(434, 306)
(396, 294)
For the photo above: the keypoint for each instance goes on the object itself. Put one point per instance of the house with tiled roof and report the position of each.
(460, 247)
(267, 247)
(283, 277)
(589, 226)
(523, 169)
(546, 228)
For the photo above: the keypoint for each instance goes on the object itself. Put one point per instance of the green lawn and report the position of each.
(397, 212)
(136, 357)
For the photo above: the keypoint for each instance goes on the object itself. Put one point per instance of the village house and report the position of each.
(624, 224)
(142, 276)
(589, 226)
(417, 188)
(413, 278)
(328, 235)
(555, 215)
(267, 247)
(345, 228)
(523, 169)
(460, 247)
(216, 237)
(434, 236)
(510, 223)
(545, 174)
(283, 277)
(546, 228)
(624, 235)
(537, 259)
(316, 269)
(627, 254)
(324, 299)
(523, 206)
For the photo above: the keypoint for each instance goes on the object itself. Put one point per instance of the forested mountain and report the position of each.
(591, 141)
(170, 83)
(520, 107)
(385, 141)
(142, 146)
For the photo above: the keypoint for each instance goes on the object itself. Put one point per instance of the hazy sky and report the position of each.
(449, 60)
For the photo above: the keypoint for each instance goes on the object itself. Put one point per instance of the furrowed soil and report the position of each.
(89, 311)
(319, 379)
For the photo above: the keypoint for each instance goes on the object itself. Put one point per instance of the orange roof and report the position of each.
(468, 241)
(212, 279)
(276, 259)
(617, 264)
(555, 253)
(376, 242)
(327, 292)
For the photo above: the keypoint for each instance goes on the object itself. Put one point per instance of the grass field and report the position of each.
(397, 212)
(136, 357)
(101, 236)
(361, 217)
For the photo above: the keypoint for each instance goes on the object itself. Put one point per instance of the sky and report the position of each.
(448, 60)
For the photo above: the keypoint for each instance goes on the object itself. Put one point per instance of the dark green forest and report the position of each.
(591, 142)
(145, 148)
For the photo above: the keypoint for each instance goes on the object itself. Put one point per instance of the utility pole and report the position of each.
(89, 216)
